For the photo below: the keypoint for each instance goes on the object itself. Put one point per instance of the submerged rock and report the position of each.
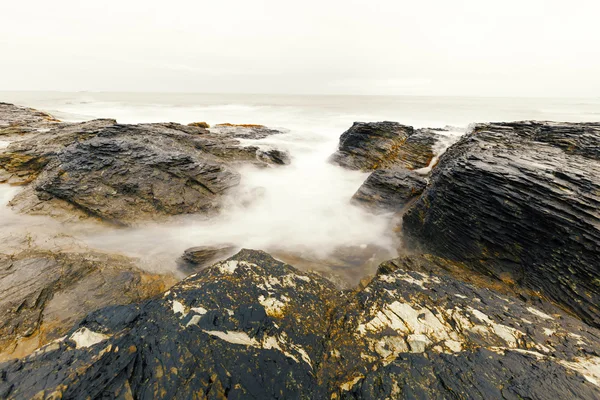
(389, 189)
(44, 293)
(126, 173)
(521, 202)
(196, 258)
(253, 327)
(379, 145)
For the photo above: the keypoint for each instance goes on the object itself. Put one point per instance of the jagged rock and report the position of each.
(44, 293)
(418, 330)
(380, 145)
(253, 327)
(244, 328)
(520, 201)
(196, 258)
(389, 189)
(126, 173)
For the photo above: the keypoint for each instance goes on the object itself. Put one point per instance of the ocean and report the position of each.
(304, 210)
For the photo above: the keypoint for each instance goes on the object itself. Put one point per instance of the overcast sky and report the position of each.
(459, 47)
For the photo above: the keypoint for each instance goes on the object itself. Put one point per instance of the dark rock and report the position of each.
(244, 328)
(380, 145)
(520, 201)
(389, 189)
(196, 258)
(274, 156)
(253, 327)
(44, 293)
(418, 330)
(126, 173)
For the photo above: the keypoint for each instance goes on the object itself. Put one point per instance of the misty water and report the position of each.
(302, 209)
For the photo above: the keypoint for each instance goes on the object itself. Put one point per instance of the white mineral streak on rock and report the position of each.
(506, 333)
(268, 342)
(235, 337)
(588, 367)
(348, 385)
(537, 312)
(273, 306)
(194, 320)
(199, 310)
(178, 308)
(228, 267)
(425, 279)
(549, 332)
(83, 337)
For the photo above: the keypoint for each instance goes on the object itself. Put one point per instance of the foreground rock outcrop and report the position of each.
(380, 145)
(253, 327)
(521, 202)
(122, 174)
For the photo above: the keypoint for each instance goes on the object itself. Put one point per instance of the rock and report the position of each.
(389, 189)
(123, 174)
(244, 131)
(15, 120)
(520, 201)
(381, 145)
(196, 258)
(200, 125)
(45, 293)
(244, 328)
(274, 156)
(253, 327)
(418, 330)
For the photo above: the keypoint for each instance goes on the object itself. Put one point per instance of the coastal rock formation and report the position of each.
(122, 174)
(244, 131)
(389, 189)
(242, 328)
(380, 145)
(44, 293)
(521, 202)
(253, 327)
(15, 120)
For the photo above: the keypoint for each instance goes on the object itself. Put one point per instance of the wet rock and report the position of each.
(44, 293)
(418, 330)
(380, 145)
(253, 327)
(196, 258)
(389, 190)
(244, 328)
(274, 156)
(122, 174)
(520, 201)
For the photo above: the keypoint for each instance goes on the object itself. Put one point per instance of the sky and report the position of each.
(545, 48)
